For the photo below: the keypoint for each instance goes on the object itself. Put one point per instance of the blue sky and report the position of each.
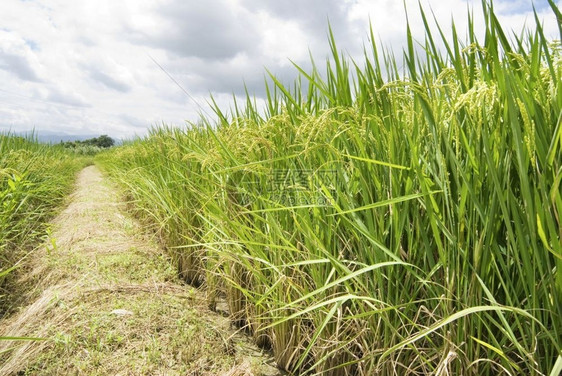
(85, 67)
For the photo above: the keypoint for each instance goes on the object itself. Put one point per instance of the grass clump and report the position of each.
(379, 221)
(34, 178)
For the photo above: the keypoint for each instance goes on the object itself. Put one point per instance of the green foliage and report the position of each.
(34, 178)
(90, 146)
(435, 247)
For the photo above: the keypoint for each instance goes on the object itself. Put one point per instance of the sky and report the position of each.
(94, 67)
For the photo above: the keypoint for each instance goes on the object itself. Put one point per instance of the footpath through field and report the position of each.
(106, 301)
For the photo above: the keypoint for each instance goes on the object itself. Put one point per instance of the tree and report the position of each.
(103, 141)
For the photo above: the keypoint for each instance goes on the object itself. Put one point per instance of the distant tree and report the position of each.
(104, 141)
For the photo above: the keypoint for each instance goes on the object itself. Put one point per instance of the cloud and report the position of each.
(19, 66)
(57, 95)
(17, 57)
(134, 121)
(312, 15)
(108, 81)
(214, 30)
(507, 7)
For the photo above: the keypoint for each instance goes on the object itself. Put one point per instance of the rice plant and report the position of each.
(34, 178)
(378, 221)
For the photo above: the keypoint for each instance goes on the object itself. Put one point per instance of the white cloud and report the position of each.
(17, 56)
(281, 39)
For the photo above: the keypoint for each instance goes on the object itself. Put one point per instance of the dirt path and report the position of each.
(108, 302)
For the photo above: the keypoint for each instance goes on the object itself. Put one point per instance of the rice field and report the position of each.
(389, 216)
(34, 179)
